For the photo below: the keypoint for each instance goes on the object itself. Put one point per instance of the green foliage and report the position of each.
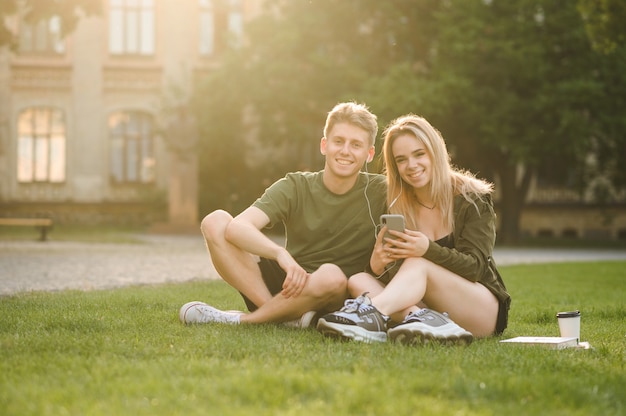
(509, 84)
(70, 12)
(298, 64)
(604, 21)
(124, 352)
(223, 172)
(525, 88)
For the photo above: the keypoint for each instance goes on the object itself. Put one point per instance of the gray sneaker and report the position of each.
(200, 313)
(358, 320)
(427, 325)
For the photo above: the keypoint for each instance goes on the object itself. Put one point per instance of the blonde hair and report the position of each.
(446, 181)
(355, 114)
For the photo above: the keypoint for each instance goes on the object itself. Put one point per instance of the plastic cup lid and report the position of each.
(570, 314)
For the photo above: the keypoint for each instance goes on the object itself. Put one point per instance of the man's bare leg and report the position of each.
(325, 291)
(237, 267)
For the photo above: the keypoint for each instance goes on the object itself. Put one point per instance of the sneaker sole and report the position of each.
(349, 332)
(418, 336)
(182, 314)
(306, 321)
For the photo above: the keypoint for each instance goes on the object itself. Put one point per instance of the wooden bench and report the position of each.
(44, 224)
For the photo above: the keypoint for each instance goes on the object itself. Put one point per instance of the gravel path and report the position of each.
(56, 265)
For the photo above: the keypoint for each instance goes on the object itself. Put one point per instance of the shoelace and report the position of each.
(353, 305)
(418, 315)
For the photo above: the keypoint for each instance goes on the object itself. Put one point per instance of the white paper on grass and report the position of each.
(549, 342)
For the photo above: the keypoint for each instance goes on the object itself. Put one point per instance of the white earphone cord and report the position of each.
(369, 207)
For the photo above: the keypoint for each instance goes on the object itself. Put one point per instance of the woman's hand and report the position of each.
(380, 257)
(407, 244)
(296, 277)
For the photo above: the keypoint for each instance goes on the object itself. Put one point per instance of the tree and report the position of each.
(219, 104)
(301, 58)
(604, 22)
(523, 79)
(530, 92)
(513, 86)
(70, 11)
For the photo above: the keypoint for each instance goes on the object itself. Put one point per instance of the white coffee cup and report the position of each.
(569, 324)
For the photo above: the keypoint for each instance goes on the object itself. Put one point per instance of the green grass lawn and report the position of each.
(124, 352)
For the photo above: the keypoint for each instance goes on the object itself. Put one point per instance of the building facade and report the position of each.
(93, 125)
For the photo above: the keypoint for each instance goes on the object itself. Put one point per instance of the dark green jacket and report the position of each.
(474, 238)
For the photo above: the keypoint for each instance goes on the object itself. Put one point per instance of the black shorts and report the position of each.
(503, 316)
(273, 276)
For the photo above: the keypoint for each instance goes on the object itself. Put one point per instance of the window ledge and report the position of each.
(117, 63)
(40, 62)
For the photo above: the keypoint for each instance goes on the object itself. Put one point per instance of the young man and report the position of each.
(329, 218)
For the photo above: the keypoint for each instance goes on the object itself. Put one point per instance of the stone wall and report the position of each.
(108, 213)
(574, 221)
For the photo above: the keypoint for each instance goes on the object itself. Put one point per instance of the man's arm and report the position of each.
(244, 231)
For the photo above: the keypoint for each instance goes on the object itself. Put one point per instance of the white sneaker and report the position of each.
(305, 321)
(427, 325)
(200, 313)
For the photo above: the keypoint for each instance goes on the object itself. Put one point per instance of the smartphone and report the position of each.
(393, 222)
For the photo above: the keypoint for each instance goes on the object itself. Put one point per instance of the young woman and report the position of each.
(437, 278)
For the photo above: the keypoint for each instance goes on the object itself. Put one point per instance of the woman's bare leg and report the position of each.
(470, 304)
(364, 282)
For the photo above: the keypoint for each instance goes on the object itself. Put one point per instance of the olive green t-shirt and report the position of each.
(323, 227)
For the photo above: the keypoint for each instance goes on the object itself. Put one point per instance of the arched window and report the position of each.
(131, 136)
(131, 27)
(41, 145)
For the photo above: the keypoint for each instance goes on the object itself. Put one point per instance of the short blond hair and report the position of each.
(356, 114)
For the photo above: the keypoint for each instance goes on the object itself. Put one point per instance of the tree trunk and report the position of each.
(513, 191)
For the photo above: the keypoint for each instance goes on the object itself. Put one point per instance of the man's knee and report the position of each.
(330, 279)
(213, 226)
